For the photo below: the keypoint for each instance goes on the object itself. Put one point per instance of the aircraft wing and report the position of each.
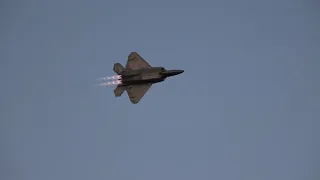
(136, 92)
(135, 61)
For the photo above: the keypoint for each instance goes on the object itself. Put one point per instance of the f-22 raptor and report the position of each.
(138, 76)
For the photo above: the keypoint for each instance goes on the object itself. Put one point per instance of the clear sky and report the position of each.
(247, 106)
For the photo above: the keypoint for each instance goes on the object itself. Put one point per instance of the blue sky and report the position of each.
(246, 107)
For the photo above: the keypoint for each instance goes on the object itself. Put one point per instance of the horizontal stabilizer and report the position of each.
(119, 90)
(136, 92)
(118, 68)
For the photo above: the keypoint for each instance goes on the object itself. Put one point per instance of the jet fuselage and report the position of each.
(146, 75)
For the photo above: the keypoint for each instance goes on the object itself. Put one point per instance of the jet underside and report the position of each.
(135, 80)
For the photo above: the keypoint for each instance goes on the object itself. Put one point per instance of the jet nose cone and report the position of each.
(169, 73)
(180, 71)
(176, 72)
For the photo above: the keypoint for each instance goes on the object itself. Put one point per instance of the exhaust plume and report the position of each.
(110, 83)
(110, 77)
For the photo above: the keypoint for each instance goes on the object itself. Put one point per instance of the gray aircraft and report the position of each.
(138, 77)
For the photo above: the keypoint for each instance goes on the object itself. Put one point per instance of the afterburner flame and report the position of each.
(110, 83)
(111, 77)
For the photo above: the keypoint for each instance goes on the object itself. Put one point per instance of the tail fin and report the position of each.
(118, 68)
(119, 90)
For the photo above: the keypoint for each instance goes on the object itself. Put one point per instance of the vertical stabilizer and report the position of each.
(118, 68)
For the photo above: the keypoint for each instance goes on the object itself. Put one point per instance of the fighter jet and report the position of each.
(138, 76)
